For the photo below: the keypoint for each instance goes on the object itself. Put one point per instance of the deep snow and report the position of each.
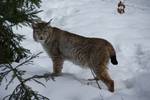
(129, 34)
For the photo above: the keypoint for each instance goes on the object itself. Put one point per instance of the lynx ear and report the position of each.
(49, 22)
(33, 25)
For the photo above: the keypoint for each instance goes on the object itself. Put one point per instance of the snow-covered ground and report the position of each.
(129, 33)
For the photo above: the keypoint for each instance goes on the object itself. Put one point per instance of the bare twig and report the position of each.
(94, 76)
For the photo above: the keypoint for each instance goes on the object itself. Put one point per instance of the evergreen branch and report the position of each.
(46, 76)
(22, 91)
(28, 60)
(19, 12)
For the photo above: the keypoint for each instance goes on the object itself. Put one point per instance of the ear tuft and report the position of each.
(49, 22)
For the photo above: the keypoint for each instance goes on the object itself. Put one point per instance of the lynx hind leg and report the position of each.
(104, 77)
(57, 66)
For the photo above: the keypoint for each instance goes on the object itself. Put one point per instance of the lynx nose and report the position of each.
(41, 38)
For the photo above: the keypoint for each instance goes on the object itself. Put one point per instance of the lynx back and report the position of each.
(93, 53)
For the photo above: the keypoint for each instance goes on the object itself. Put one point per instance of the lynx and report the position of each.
(86, 52)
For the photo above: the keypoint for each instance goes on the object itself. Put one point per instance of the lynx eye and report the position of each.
(36, 31)
(44, 31)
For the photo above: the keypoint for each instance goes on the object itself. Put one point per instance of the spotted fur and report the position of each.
(86, 52)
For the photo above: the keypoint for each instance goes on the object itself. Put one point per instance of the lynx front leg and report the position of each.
(57, 65)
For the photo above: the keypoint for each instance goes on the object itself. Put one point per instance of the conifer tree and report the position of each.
(15, 13)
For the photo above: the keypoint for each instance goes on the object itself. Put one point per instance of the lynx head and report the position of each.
(41, 31)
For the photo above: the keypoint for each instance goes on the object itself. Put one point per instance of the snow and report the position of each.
(129, 34)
